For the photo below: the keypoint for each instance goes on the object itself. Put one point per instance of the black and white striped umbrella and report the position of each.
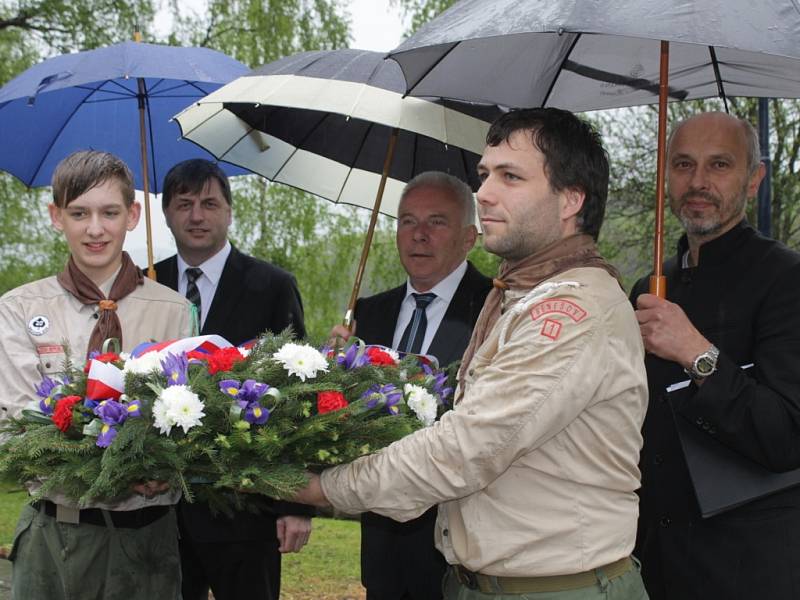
(336, 124)
(322, 122)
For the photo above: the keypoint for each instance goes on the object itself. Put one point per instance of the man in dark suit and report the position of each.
(238, 297)
(732, 299)
(435, 231)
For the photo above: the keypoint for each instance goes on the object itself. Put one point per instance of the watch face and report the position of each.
(705, 366)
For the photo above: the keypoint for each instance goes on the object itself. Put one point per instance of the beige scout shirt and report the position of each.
(41, 321)
(535, 469)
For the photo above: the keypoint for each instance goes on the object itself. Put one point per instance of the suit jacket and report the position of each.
(400, 558)
(252, 297)
(743, 296)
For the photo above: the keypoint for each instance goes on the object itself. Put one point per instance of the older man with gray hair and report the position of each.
(433, 313)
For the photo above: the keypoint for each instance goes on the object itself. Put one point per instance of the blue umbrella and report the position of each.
(119, 99)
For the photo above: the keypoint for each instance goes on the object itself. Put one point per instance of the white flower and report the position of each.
(393, 353)
(422, 402)
(160, 417)
(177, 406)
(244, 351)
(143, 365)
(301, 360)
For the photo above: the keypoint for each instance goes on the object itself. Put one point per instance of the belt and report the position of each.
(489, 584)
(124, 519)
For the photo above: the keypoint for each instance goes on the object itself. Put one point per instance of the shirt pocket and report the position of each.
(52, 358)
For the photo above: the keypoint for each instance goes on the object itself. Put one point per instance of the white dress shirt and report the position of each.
(207, 283)
(434, 313)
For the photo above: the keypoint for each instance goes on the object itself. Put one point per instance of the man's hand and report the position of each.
(340, 333)
(312, 494)
(293, 533)
(667, 331)
(151, 489)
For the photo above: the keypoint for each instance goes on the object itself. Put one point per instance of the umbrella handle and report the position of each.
(348, 317)
(151, 272)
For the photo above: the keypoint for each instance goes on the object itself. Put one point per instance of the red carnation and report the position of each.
(106, 357)
(330, 401)
(223, 359)
(62, 415)
(379, 357)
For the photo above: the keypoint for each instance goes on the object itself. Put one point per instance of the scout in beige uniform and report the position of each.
(535, 469)
(128, 548)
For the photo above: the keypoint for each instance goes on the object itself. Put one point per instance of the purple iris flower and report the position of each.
(106, 436)
(245, 393)
(46, 387)
(353, 358)
(90, 404)
(47, 390)
(175, 368)
(386, 395)
(256, 414)
(111, 412)
(439, 381)
(133, 408)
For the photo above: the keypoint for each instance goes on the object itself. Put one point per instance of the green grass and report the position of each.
(327, 568)
(12, 499)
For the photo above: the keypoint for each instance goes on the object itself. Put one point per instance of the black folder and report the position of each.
(722, 478)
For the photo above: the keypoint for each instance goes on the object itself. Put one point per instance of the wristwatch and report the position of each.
(704, 364)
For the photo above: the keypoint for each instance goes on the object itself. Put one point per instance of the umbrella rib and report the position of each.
(431, 68)
(60, 130)
(718, 77)
(352, 165)
(546, 98)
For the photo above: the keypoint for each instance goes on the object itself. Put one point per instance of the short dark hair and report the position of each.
(86, 169)
(574, 156)
(190, 177)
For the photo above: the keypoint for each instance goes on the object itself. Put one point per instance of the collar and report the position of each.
(718, 250)
(446, 288)
(212, 268)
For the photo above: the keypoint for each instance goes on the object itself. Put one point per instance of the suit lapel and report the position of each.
(168, 273)
(453, 335)
(387, 325)
(226, 297)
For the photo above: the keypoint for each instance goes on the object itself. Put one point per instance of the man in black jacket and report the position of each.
(435, 231)
(732, 301)
(238, 297)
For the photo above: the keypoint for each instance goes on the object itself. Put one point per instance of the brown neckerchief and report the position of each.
(571, 252)
(84, 289)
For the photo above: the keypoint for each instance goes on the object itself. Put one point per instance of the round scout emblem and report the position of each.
(38, 325)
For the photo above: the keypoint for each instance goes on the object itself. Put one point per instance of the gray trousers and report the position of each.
(61, 561)
(625, 587)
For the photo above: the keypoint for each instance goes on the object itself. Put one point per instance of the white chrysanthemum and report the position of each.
(183, 408)
(393, 353)
(301, 360)
(147, 363)
(244, 351)
(422, 402)
(161, 419)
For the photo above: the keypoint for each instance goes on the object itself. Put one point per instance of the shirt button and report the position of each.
(658, 459)
(471, 372)
(712, 430)
(47, 365)
(699, 421)
(706, 426)
(445, 532)
(665, 521)
(96, 315)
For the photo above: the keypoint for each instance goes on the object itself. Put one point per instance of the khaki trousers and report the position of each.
(61, 561)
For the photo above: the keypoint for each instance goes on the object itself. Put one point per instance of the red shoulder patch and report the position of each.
(560, 306)
(551, 329)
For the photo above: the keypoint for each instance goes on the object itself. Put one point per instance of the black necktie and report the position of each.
(192, 293)
(414, 334)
